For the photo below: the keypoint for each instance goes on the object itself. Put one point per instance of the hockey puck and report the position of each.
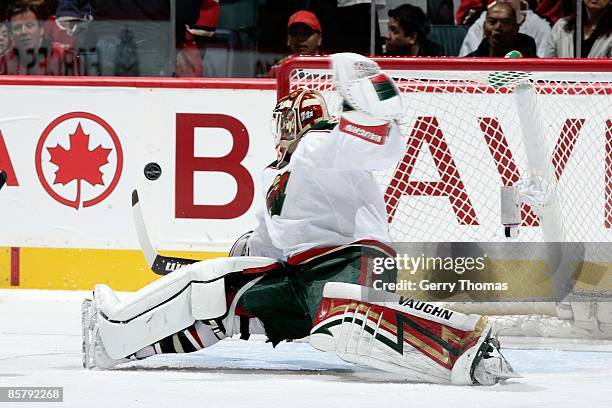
(152, 171)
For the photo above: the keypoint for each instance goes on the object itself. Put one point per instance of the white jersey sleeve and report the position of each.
(360, 142)
(260, 243)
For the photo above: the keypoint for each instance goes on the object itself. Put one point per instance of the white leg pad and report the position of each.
(378, 329)
(168, 305)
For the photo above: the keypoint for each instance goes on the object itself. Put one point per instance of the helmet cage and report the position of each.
(295, 114)
(284, 125)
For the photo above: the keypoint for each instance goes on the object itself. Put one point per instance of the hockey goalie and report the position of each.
(305, 269)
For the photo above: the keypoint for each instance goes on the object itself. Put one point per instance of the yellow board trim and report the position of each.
(126, 270)
(81, 269)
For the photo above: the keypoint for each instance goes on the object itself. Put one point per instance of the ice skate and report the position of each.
(94, 354)
(490, 366)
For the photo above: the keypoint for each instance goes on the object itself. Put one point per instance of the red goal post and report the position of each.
(470, 132)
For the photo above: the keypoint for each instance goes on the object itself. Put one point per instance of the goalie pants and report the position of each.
(286, 299)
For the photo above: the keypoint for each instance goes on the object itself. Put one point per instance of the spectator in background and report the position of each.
(469, 11)
(131, 37)
(596, 32)
(73, 16)
(304, 37)
(5, 38)
(502, 35)
(79, 10)
(407, 33)
(191, 52)
(304, 33)
(5, 45)
(32, 53)
(188, 57)
(71, 23)
(551, 10)
(529, 23)
(440, 12)
(134, 37)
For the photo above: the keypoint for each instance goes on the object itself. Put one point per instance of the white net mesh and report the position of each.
(471, 132)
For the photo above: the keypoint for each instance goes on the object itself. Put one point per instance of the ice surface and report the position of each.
(40, 346)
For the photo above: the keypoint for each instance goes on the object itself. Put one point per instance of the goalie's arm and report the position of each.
(367, 136)
(359, 141)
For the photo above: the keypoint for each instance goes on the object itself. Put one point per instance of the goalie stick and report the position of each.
(161, 265)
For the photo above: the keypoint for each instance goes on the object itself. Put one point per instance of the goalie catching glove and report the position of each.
(365, 88)
(419, 340)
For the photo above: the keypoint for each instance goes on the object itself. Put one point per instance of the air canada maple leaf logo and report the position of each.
(79, 159)
(79, 163)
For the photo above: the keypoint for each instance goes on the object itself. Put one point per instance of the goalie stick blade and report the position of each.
(141, 231)
(161, 265)
(2, 178)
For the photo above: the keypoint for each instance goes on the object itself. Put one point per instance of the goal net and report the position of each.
(473, 127)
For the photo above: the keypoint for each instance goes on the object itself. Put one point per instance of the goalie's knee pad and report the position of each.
(419, 340)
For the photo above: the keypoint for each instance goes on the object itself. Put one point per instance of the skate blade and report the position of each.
(87, 334)
(502, 371)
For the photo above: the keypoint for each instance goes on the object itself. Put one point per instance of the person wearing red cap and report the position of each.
(304, 36)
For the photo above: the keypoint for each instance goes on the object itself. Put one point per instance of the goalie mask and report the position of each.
(294, 115)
